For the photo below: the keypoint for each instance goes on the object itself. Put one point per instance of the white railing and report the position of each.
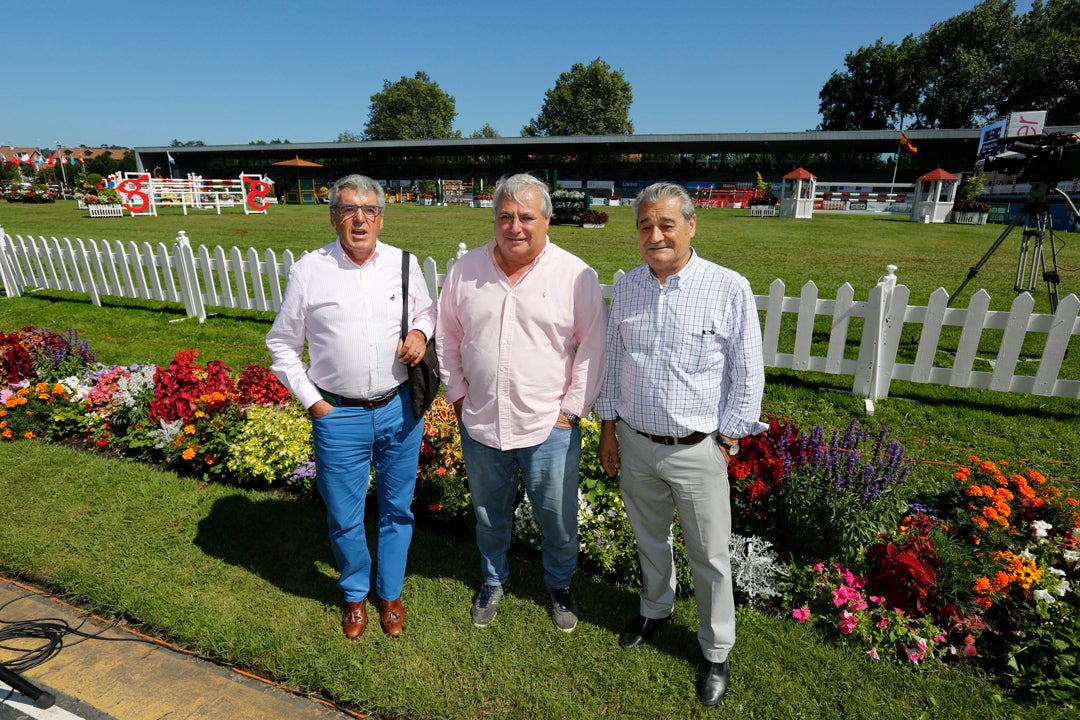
(205, 278)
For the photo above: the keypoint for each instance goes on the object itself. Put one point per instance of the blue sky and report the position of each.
(142, 74)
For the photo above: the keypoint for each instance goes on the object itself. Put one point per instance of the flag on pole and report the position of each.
(171, 161)
(51, 161)
(15, 159)
(904, 142)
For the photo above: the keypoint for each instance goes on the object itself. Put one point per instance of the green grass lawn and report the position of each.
(247, 576)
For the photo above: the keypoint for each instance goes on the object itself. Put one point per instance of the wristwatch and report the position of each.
(731, 446)
(571, 418)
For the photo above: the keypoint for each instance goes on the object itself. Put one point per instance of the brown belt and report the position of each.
(368, 403)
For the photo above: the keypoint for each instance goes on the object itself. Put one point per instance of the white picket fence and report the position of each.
(205, 278)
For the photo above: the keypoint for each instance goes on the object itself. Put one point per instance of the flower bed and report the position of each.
(981, 569)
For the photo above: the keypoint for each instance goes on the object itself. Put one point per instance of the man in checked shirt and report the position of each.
(684, 382)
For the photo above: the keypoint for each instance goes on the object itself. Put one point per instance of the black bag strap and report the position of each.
(404, 294)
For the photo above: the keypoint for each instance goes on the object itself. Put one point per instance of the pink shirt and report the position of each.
(519, 354)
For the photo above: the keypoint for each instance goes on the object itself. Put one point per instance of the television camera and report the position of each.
(1043, 161)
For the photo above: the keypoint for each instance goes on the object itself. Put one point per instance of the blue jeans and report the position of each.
(549, 472)
(347, 441)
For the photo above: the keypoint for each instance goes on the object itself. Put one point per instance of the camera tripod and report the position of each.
(1031, 265)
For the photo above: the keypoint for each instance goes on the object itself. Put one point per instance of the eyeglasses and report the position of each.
(370, 212)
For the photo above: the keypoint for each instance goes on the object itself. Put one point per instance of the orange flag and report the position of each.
(907, 143)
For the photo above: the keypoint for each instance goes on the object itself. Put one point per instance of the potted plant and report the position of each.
(482, 199)
(613, 200)
(592, 219)
(763, 203)
(967, 209)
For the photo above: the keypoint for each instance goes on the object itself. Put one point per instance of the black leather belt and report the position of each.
(692, 439)
(368, 403)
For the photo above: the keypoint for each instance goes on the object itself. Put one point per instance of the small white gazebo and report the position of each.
(935, 193)
(801, 202)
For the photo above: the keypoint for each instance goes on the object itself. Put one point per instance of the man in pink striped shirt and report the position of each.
(521, 342)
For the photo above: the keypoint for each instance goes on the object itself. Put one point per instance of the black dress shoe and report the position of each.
(639, 630)
(712, 683)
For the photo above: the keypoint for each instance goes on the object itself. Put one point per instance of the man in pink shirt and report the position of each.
(521, 343)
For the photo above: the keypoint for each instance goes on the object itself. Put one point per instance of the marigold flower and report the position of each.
(440, 471)
(29, 435)
(188, 453)
(1001, 580)
(982, 585)
(189, 429)
(6, 434)
(435, 507)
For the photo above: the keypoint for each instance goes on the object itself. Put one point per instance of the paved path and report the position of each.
(99, 679)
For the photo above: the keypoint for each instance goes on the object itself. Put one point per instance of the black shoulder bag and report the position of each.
(423, 377)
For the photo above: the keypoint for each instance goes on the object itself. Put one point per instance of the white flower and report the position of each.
(1041, 528)
(1045, 596)
(1062, 588)
(1071, 556)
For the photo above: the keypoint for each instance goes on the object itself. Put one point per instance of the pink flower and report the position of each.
(872, 652)
(801, 614)
(939, 638)
(914, 656)
(847, 622)
(883, 622)
(819, 567)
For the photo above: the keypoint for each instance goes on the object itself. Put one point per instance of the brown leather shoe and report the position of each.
(392, 615)
(355, 619)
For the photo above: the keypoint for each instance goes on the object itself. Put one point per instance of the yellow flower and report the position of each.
(188, 454)
(189, 429)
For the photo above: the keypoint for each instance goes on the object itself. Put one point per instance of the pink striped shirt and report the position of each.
(519, 354)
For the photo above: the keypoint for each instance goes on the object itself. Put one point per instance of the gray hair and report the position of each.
(515, 186)
(358, 183)
(660, 191)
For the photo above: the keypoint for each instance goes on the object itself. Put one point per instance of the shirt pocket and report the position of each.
(696, 350)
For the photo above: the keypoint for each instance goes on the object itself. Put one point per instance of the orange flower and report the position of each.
(189, 429)
(441, 471)
(1072, 501)
(188, 454)
(6, 434)
(28, 435)
(982, 585)
(1001, 580)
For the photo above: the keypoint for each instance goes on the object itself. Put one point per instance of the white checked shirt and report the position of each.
(685, 356)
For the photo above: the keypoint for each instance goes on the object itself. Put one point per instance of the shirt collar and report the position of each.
(339, 253)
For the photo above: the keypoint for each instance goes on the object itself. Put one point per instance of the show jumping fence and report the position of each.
(863, 336)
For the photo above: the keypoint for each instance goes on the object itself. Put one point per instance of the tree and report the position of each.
(978, 65)
(875, 91)
(485, 132)
(413, 108)
(1042, 72)
(590, 99)
(959, 65)
(349, 136)
(189, 143)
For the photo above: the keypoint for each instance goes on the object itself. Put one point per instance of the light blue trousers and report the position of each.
(549, 472)
(348, 441)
